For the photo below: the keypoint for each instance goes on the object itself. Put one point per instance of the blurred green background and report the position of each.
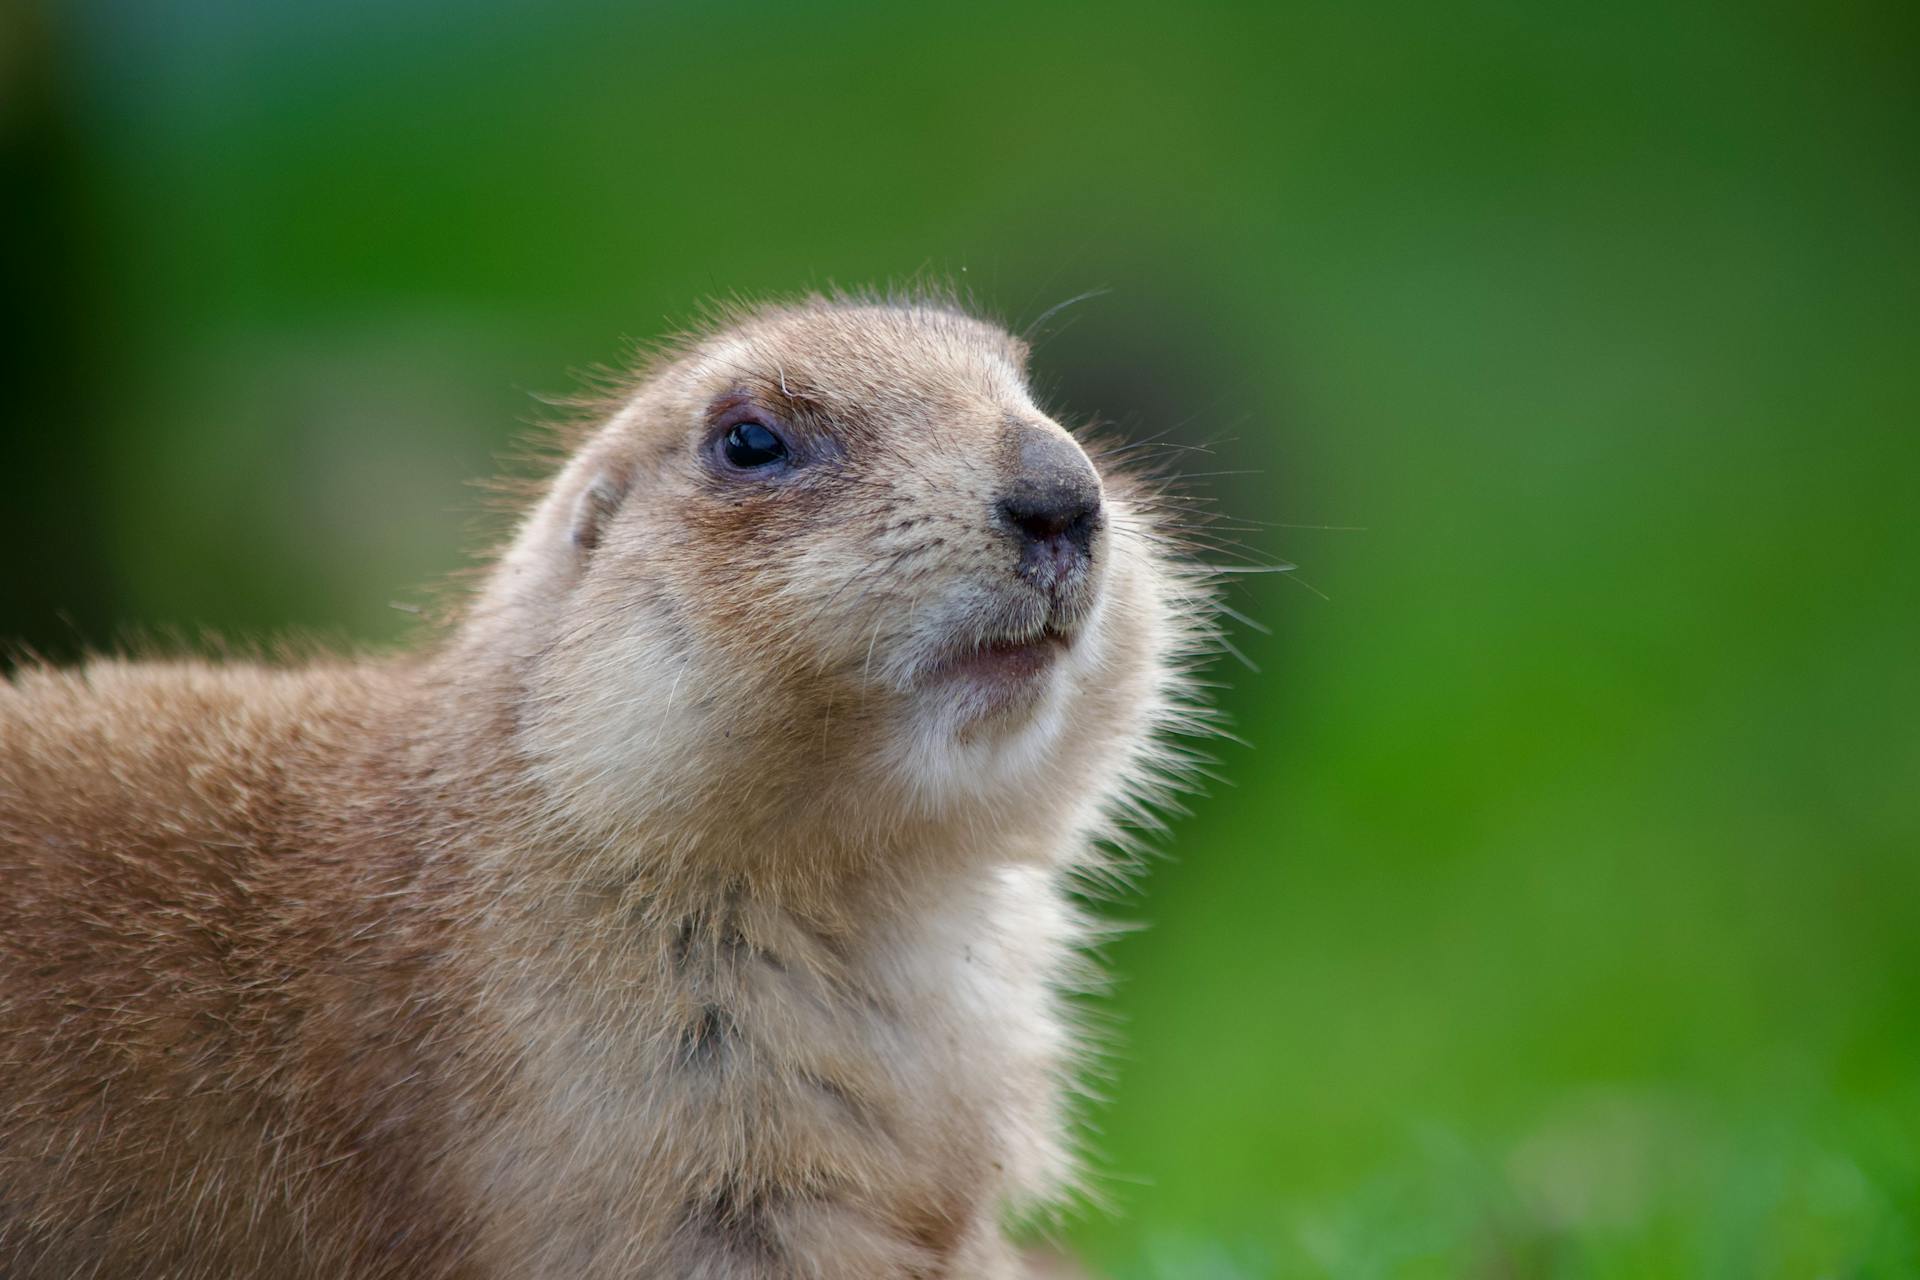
(1564, 917)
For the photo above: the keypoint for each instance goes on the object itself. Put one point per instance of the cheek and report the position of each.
(838, 569)
(611, 700)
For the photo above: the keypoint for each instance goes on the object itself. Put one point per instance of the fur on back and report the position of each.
(688, 908)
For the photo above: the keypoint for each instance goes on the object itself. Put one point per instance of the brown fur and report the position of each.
(659, 919)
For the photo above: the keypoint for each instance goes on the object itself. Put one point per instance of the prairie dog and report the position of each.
(694, 906)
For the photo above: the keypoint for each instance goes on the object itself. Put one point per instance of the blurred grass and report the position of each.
(1562, 920)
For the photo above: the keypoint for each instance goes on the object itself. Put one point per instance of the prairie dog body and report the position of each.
(695, 907)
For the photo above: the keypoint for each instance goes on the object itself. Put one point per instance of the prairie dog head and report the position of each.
(830, 569)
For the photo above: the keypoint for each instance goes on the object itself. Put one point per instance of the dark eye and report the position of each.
(753, 444)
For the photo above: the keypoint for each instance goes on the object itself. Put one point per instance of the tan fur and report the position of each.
(660, 919)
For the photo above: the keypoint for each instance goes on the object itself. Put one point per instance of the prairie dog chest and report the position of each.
(734, 1080)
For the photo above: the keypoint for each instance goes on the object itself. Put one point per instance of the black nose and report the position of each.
(1052, 498)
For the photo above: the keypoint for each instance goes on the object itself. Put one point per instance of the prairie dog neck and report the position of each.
(871, 1078)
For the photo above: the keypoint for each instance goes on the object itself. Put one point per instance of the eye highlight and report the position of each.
(751, 445)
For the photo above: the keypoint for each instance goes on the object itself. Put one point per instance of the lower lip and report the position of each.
(1003, 671)
(1007, 660)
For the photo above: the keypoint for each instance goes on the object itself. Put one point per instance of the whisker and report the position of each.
(1279, 567)
(1054, 310)
(1309, 586)
(1242, 618)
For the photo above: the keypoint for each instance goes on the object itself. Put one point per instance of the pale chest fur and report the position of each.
(735, 1095)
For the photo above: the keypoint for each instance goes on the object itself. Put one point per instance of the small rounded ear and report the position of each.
(595, 508)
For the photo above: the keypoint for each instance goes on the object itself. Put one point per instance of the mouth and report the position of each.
(1008, 660)
(995, 676)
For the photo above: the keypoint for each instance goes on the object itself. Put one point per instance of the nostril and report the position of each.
(1070, 516)
(1036, 522)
